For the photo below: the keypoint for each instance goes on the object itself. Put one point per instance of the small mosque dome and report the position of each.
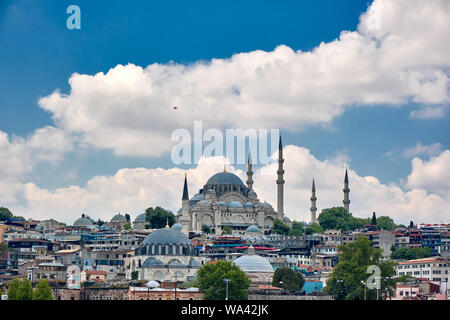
(248, 205)
(286, 219)
(222, 204)
(252, 194)
(152, 284)
(177, 226)
(166, 236)
(253, 263)
(198, 197)
(119, 218)
(252, 228)
(235, 204)
(152, 262)
(203, 203)
(210, 191)
(83, 222)
(141, 218)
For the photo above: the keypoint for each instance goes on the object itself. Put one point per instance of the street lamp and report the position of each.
(365, 289)
(226, 283)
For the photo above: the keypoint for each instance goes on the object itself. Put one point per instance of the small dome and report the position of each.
(166, 236)
(224, 178)
(194, 263)
(286, 219)
(203, 203)
(210, 191)
(222, 204)
(177, 226)
(252, 194)
(152, 284)
(175, 263)
(198, 197)
(252, 229)
(141, 218)
(253, 263)
(119, 218)
(267, 205)
(152, 262)
(248, 205)
(83, 222)
(235, 204)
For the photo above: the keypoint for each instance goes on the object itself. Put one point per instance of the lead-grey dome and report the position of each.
(141, 218)
(224, 178)
(177, 226)
(119, 218)
(253, 263)
(167, 236)
(152, 262)
(83, 222)
(252, 229)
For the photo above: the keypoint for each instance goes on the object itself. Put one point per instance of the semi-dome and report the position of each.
(203, 203)
(83, 222)
(119, 218)
(235, 204)
(152, 262)
(248, 205)
(198, 197)
(253, 263)
(167, 236)
(252, 229)
(177, 226)
(224, 178)
(222, 203)
(141, 218)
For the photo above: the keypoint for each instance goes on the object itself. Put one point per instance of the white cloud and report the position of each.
(133, 190)
(428, 113)
(420, 149)
(130, 109)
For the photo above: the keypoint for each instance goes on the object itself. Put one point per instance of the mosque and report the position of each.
(225, 201)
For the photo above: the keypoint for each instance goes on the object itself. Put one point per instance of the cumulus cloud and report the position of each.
(398, 54)
(134, 190)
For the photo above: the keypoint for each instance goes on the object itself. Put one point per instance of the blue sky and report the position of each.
(38, 54)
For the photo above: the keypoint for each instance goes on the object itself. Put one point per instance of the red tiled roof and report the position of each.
(98, 272)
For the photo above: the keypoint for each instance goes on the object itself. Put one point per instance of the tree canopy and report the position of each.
(206, 229)
(313, 228)
(288, 279)
(157, 217)
(411, 253)
(279, 227)
(346, 279)
(340, 218)
(42, 291)
(210, 280)
(297, 229)
(5, 214)
(25, 290)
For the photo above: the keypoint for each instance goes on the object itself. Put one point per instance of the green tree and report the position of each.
(297, 229)
(25, 291)
(135, 275)
(385, 223)
(206, 229)
(411, 224)
(339, 218)
(5, 214)
(288, 279)
(157, 217)
(227, 230)
(374, 219)
(313, 228)
(279, 227)
(411, 253)
(127, 226)
(42, 291)
(13, 289)
(211, 281)
(345, 282)
(100, 222)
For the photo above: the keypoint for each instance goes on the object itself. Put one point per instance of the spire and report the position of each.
(313, 202)
(167, 223)
(185, 189)
(346, 190)
(249, 171)
(225, 167)
(280, 181)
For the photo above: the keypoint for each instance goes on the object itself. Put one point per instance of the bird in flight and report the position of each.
(175, 108)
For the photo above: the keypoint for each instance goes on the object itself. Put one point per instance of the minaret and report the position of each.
(280, 181)
(346, 190)
(185, 218)
(250, 172)
(313, 203)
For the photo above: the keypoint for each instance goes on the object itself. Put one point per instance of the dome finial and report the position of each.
(225, 167)
(167, 223)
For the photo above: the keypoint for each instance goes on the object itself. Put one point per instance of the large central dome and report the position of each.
(224, 178)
